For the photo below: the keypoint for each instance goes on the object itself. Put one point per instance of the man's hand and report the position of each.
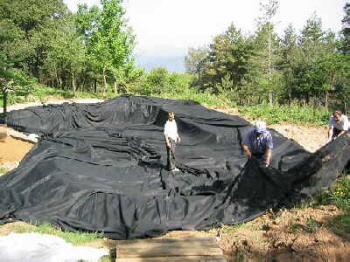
(178, 140)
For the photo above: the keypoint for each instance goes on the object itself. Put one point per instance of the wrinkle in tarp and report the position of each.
(102, 167)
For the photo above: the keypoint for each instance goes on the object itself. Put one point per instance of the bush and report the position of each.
(339, 195)
(288, 113)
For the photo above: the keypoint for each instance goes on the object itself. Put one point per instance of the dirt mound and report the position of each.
(12, 151)
(309, 137)
(292, 235)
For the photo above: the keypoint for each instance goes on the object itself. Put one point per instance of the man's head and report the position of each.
(171, 116)
(260, 126)
(337, 115)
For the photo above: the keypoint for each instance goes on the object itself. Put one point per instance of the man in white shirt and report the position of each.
(171, 138)
(338, 125)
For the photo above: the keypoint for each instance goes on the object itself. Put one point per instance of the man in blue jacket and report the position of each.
(258, 143)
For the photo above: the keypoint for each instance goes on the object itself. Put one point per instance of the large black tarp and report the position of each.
(101, 167)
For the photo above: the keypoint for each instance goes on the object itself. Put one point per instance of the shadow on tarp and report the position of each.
(101, 167)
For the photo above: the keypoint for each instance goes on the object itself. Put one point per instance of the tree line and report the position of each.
(311, 66)
(43, 43)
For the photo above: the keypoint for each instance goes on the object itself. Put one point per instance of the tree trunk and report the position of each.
(73, 82)
(115, 85)
(104, 92)
(4, 100)
(307, 98)
(58, 79)
(326, 100)
(270, 67)
(345, 107)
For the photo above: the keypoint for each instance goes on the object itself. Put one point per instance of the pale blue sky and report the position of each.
(178, 24)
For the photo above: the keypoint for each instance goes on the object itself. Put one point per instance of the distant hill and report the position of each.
(172, 63)
(170, 58)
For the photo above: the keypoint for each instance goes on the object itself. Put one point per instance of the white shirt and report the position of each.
(170, 130)
(342, 124)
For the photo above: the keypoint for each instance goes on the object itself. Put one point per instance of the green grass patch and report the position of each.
(341, 224)
(71, 237)
(189, 94)
(274, 114)
(338, 195)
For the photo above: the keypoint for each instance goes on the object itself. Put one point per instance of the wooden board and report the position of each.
(181, 249)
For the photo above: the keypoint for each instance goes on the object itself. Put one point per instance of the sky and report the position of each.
(170, 27)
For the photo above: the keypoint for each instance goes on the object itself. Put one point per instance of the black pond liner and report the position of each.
(101, 167)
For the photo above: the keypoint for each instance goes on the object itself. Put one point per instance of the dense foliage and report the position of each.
(43, 44)
(311, 67)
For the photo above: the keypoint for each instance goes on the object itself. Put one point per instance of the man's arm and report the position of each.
(330, 134)
(268, 156)
(247, 151)
(342, 132)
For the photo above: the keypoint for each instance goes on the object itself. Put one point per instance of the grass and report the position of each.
(338, 195)
(293, 113)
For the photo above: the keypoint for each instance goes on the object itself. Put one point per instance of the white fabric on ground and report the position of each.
(34, 247)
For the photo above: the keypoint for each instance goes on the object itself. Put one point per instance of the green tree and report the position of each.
(36, 19)
(12, 51)
(289, 46)
(343, 87)
(195, 60)
(110, 41)
(228, 68)
(315, 63)
(14, 81)
(157, 81)
(66, 57)
(267, 42)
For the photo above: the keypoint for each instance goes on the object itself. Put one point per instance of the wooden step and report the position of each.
(191, 249)
(175, 259)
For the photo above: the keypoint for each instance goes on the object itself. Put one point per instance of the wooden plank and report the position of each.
(165, 240)
(175, 244)
(175, 259)
(190, 249)
(164, 251)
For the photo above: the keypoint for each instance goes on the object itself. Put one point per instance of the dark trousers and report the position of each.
(171, 154)
(260, 157)
(336, 133)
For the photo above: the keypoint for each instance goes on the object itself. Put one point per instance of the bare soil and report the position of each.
(290, 235)
(309, 137)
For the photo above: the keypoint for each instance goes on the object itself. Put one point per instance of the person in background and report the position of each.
(258, 143)
(171, 138)
(338, 125)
